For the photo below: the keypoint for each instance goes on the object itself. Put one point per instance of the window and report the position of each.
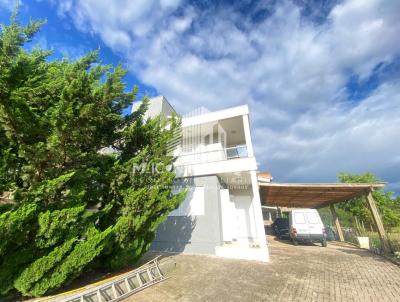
(312, 217)
(299, 218)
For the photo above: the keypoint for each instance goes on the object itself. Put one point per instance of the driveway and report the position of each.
(339, 272)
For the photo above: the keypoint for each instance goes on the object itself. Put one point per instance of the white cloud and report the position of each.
(135, 18)
(318, 145)
(71, 52)
(290, 70)
(8, 4)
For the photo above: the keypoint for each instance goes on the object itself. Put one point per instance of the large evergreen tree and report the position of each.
(73, 206)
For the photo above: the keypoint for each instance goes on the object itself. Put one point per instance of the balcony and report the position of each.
(219, 154)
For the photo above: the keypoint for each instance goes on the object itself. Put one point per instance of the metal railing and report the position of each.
(236, 152)
(239, 151)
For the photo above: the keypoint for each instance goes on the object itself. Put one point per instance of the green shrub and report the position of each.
(35, 271)
(82, 254)
(12, 265)
(56, 225)
(13, 226)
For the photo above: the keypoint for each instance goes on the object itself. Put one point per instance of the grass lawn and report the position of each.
(394, 239)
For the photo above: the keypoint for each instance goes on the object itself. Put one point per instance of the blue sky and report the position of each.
(322, 78)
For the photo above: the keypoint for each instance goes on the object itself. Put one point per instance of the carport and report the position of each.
(319, 195)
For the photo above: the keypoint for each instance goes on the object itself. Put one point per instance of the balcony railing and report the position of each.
(211, 156)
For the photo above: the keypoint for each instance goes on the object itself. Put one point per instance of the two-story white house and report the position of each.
(222, 213)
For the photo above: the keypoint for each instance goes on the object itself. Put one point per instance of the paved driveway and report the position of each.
(339, 272)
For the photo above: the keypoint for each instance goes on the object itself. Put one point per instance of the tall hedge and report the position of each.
(75, 207)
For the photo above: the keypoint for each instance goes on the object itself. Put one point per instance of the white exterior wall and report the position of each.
(217, 167)
(211, 159)
(241, 214)
(242, 226)
(259, 221)
(247, 135)
(215, 116)
(243, 203)
(228, 216)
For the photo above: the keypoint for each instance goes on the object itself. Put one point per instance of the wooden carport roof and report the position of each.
(312, 195)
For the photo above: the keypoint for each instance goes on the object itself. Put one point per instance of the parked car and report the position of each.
(305, 225)
(330, 234)
(281, 228)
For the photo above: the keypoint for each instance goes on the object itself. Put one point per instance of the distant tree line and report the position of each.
(355, 212)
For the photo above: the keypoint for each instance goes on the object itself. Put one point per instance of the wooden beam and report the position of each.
(323, 185)
(336, 222)
(378, 222)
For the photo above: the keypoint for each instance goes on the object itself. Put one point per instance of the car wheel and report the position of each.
(323, 243)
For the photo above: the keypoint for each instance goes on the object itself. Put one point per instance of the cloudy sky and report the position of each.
(322, 78)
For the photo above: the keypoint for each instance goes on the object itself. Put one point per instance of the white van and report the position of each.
(305, 225)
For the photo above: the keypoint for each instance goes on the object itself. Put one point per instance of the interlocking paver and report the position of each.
(339, 272)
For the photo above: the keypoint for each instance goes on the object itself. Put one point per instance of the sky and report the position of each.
(321, 78)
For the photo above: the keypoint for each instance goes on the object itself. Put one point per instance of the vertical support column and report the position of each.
(378, 222)
(227, 216)
(246, 126)
(335, 221)
(258, 211)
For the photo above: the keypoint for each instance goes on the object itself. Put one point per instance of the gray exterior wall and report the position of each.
(194, 234)
(157, 105)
